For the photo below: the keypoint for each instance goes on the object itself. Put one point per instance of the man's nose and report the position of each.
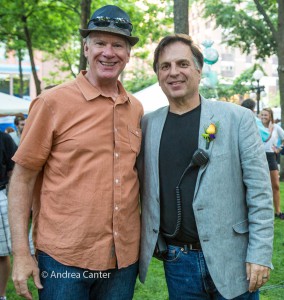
(173, 70)
(108, 51)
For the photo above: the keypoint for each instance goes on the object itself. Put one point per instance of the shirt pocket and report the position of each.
(135, 137)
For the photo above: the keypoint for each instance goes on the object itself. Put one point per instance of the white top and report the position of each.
(277, 133)
(15, 137)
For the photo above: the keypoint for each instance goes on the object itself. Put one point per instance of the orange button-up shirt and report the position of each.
(86, 213)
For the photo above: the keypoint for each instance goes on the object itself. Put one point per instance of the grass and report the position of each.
(155, 286)
(274, 289)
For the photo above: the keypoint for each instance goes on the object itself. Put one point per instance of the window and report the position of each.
(10, 84)
(5, 83)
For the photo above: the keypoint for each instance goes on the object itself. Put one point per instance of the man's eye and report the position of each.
(164, 67)
(184, 65)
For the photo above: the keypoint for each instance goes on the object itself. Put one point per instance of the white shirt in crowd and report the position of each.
(277, 133)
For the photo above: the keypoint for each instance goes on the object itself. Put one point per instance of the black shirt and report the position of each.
(7, 150)
(178, 143)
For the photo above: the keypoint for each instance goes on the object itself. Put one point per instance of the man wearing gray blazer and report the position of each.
(205, 187)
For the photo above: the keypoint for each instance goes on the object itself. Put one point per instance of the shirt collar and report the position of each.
(90, 92)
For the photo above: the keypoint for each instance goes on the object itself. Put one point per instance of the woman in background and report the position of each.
(271, 149)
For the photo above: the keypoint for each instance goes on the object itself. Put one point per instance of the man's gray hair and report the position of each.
(87, 41)
(196, 63)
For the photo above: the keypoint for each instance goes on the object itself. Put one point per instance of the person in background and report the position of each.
(77, 165)
(9, 129)
(271, 150)
(7, 150)
(279, 144)
(250, 104)
(205, 188)
(19, 122)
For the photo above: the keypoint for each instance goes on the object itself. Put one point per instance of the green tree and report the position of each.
(52, 26)
(243, 83)
(18, 46)
(253, 23)
(181, 16)
(41, 24)
(239, 87)
(85, 16)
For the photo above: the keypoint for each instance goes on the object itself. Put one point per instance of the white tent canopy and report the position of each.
(10, 105)
(152, 98)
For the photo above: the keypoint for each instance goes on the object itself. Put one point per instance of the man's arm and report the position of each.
(259, 203)
(20, 203)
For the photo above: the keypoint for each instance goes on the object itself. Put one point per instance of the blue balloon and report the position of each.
(211, 56)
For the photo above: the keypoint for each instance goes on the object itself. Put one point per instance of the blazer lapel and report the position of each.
(156, 133)
(206, 118)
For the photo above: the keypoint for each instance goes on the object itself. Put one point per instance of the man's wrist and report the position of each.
(21, 253)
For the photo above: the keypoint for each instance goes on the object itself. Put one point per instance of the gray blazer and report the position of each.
(232, 201)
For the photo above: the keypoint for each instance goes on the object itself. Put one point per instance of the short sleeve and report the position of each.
(37, 136)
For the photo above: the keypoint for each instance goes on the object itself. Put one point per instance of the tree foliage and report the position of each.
(244, 27)
(235, 91)
(39, 24)
(252, 25)
(52, 26)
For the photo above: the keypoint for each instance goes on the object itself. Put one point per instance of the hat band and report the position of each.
(110, 22)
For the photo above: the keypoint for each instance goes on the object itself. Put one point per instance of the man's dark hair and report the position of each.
(18, 119)
(249, 103)
(183, 38)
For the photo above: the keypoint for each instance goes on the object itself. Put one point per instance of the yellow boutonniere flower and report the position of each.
(211, 129)
(210, 133)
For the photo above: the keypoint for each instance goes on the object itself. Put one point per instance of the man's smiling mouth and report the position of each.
(175, 82)
(108, 64)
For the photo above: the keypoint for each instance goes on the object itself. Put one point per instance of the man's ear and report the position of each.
(157, 74)
(200, 74)
(86, 48)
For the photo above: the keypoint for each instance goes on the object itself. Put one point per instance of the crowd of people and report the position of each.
(204, 173)
(272, 136)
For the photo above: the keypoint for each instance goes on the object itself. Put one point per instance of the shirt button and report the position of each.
(116, 181)
(115, 233)
(116, 155)
(115, 129)
(116, 208)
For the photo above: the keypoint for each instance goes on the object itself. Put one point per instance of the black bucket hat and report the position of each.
(111, 18)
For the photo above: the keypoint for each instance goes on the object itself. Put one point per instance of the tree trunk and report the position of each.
(20, 58)
(30, 49)
(280, 53)
(181, 16)
(85, 16)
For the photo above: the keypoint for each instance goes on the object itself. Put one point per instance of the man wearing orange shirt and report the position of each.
(76, 166)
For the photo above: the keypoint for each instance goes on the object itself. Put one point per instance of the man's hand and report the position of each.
(257, 275)
(23, 268)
